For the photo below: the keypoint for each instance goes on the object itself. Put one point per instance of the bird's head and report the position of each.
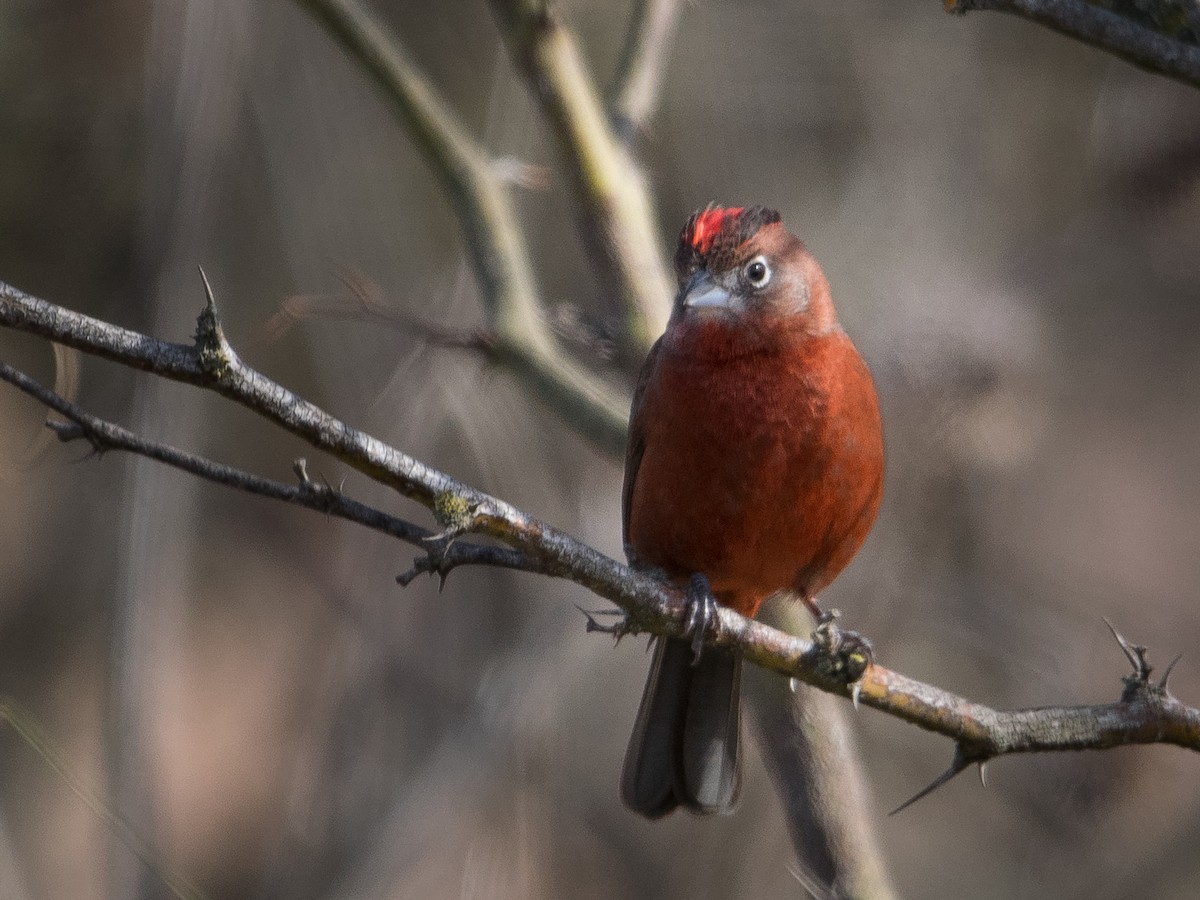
(740, 266)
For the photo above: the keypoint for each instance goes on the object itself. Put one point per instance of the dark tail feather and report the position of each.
(684, 749)
(710, 773)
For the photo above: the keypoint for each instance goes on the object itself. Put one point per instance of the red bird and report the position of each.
(754, 465)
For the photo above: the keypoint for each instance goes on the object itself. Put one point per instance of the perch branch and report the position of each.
(637, 82)
(1146, 713)
(495, 243)
(1141, 45)
(211, 363)
(620, 226)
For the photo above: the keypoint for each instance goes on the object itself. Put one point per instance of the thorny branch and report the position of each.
(1146, 713)
(320, 496)
(1150, 44)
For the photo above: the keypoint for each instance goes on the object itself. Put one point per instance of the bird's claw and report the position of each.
(702, 616)
(850, 654)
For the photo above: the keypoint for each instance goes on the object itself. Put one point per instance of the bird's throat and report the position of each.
(716, 337)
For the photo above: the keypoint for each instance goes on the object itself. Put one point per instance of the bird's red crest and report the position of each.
(712, 236)
(708, 224)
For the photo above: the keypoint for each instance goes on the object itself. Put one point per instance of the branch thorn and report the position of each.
(427, 565)
(216, 355)
(1162, 682)
(617, 629)
(1135, 653)
(210, 299)
(960, 762)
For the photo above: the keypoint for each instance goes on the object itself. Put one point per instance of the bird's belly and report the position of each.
(731, 526)
(764, 475)
(746, 506)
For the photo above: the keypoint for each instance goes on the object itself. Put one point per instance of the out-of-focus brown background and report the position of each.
(1011, 224)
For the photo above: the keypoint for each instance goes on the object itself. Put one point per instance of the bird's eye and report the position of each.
(758, 273)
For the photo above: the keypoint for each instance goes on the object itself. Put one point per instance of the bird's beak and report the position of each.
(701, 292)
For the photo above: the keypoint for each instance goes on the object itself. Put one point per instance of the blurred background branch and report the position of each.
(480, 196)
(636, 86)
(1160, 36)
(615, 208)
(829, 810)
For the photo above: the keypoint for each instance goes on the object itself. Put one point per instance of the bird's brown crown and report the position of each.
(711, 237)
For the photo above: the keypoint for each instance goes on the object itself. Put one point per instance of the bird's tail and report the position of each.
(684, 749)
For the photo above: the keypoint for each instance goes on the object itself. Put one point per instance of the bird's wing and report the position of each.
(636, 442)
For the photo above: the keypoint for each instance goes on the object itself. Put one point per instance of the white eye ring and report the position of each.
(757, 272)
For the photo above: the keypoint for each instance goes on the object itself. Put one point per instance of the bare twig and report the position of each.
(620, 226)
(1092, 24)
(105, 436)
(482, 202)
(636, 84)
(1145, 714)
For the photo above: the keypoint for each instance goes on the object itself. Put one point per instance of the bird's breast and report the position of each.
(758, 468)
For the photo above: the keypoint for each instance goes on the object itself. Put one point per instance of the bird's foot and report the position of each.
(848, 652)
(702, 617)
